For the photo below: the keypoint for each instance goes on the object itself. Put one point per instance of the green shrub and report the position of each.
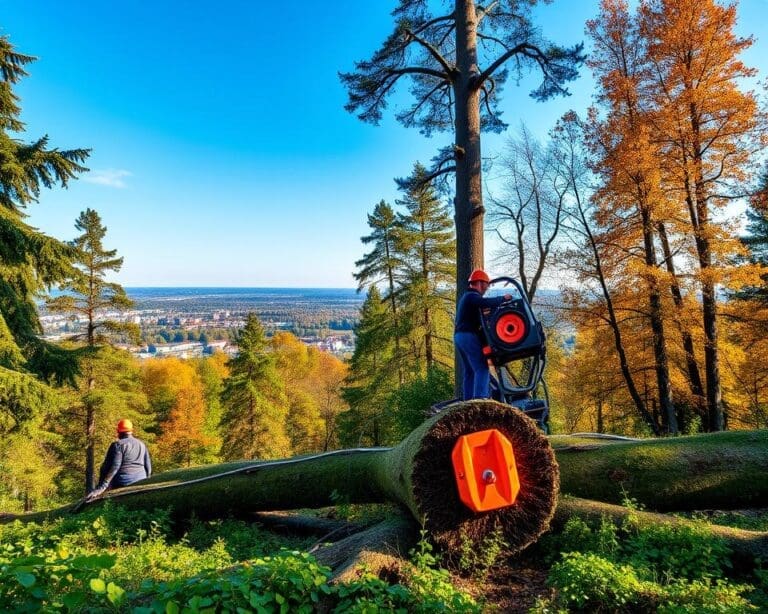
(588, 582)
(676, 551)
(478, 559)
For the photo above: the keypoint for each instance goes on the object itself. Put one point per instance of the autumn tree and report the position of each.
(457, 63)
(212, 371)
(253, 422)
(313, 382)
(183, 441)
(710, 129)
(88, 296)
(594, 260)
(626, 159)
(30, 261)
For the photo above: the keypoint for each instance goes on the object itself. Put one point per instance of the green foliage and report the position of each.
(428, 589)
(30, 261)
(588, 582)
(662, 567)
(113, 560)
(253, 399)
(669, 551)
(411, 402)
(478, 559)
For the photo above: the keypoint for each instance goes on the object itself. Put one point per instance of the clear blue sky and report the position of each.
(222, 155)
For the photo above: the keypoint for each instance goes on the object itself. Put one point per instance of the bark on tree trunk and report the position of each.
(713, 471)
(692, 367)
(661, 361)
(417, 474)
(90, 438)
(468, 202)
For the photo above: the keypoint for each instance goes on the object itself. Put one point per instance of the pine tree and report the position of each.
(756, 240)
(370, 380)
(427, 242)
(458, 63)
(384, 265)
(30, 261)
(88, 296)
(253, 422)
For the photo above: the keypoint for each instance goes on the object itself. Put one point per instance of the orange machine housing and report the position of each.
(485, 470)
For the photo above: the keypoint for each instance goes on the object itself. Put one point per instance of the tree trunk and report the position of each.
(417, 474)
(713, 471)
(90, 439)
(468, 202)
(661, 361)
(469, 194)
(692, 367)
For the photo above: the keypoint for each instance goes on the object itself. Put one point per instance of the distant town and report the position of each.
(192, 322)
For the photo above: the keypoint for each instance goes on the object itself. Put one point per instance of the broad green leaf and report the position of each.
(98, 586)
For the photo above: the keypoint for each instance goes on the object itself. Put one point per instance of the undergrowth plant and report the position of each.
(109, 560)
(602, 567)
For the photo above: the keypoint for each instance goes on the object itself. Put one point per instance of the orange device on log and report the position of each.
(485, 470)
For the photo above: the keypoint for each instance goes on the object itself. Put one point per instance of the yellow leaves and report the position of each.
(176, 393)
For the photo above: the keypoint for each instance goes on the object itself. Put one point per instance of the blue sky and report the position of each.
(222, 154)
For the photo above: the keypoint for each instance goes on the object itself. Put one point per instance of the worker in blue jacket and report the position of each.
(127, 461)
(468, 336)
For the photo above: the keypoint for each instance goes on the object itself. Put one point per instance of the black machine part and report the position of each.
(516, 347)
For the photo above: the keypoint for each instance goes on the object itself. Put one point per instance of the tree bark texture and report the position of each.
(418, 474)
(713, 471)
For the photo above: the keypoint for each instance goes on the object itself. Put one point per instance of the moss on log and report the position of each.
(417, 474)
(712, 471)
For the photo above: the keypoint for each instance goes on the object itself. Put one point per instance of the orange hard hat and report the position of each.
(479, 275)
(124, 426)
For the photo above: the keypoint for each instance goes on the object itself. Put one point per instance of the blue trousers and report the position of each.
(477, 377)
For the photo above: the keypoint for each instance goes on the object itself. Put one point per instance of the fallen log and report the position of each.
(418, 474)
(713, 471)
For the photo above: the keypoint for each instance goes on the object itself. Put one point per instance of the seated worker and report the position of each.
(127, 461)
(468, 336)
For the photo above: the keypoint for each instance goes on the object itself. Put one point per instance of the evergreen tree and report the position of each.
(254, 404)
(116, 393)
(756, 240)
(370, 380)
(384, 265)
(30, 261)
(88, 296)
(427, 241)
(458, 63)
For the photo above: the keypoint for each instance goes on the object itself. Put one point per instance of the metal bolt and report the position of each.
(489, 477)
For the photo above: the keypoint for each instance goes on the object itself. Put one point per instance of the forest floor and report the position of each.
(513, 585)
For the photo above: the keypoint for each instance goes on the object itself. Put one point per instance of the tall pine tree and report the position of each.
(254, 404)
(457, 63)
(427, 242)
(30, 261)
(89, 296)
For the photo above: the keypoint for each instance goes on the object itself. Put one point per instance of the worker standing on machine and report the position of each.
(468, 336)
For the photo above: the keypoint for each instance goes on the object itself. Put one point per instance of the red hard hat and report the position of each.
(124, 426)
(479, 275)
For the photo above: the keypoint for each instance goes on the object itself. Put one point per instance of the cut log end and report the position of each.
(449, 521)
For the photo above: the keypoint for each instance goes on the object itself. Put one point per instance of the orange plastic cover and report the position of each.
(485, 470)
